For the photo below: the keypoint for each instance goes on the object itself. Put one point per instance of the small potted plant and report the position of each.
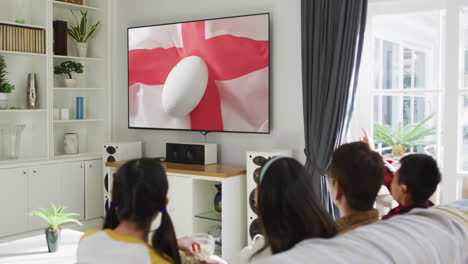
(400, 138)
(68, 67)
(81, 34)
(56, 218)
(5, 86)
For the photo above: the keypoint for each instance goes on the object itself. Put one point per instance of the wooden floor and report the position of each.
(31, 247)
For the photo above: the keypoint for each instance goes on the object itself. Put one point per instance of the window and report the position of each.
(405, 91)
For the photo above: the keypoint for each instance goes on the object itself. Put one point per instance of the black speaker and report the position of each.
(201, 154)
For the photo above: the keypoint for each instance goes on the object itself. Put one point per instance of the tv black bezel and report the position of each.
(197, 130)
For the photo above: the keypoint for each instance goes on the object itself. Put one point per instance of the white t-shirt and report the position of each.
(105, 246)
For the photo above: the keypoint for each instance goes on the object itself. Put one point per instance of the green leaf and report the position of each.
(57, 217)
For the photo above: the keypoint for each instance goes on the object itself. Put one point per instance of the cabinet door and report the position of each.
(94, 196)
(43, 189)
(14, 201)
(72, 187)
(180, 204)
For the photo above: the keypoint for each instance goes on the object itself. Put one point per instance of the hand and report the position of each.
(213, 259)
(366, 139)
(187, 245)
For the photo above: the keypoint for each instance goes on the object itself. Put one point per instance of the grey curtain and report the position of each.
(332, 40)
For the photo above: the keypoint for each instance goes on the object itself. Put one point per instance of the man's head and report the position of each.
(416, 179)
(357, 174)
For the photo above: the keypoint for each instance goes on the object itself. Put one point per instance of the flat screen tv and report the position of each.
(206, 75)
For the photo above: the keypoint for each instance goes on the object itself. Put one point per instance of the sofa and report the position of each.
(437, 235)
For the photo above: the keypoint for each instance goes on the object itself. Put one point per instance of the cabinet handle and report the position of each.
(90, 165)
(34, 171)
(24, 172)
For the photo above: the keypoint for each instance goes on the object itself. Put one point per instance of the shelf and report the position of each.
(75, 6)
(16, 162)
(77, 89)
(21, 25)
(79, 155)
(77, 121)
(22, 53)
(212, 215)
(24, 111)
(76, 58)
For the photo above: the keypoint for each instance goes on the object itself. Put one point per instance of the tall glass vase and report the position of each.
(12, 140)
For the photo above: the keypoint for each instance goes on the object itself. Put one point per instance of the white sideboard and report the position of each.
(76, 185)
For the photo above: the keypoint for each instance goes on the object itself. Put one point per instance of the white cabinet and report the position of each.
(14, 204)
(94, 185)
(72, 180)
(43, 189)
(179, 206)
(76, 185)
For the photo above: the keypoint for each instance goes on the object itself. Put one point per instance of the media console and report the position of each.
(191, 195)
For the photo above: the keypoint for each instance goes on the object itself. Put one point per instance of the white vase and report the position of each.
(82, 49)
(70, 83)
(3, 101)
(70, 143)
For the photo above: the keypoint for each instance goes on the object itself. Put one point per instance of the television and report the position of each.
(206, 75)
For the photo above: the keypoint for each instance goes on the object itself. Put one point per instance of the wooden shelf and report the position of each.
(21, 25)
(75, 6)
(23, 111)
(76, 58)
(22, 53)
(77, 89)
(77, 121)
(79, 155)
(211, 170)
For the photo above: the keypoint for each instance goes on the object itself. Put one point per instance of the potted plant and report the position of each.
(5, 86)
(400, 138)
(56, 218)
(68, 67)
(81, 34)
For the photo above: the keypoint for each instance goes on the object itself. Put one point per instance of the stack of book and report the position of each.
(22, 39)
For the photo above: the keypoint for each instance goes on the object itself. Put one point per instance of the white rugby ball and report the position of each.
(185, 86)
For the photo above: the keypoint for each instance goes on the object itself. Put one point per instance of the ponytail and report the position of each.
(164, 239)
(111, 221)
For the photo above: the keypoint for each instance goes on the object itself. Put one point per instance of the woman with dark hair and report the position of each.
(139, 194)
(288, 211)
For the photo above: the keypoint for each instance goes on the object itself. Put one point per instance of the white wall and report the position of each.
(286, 93)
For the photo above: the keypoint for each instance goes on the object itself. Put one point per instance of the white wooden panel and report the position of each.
(43, 189)
(233, 216)
(14, 201)
(72, 187)
(180, 205)
(94, 201)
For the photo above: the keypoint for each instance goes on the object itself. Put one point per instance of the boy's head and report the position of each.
(416, 179)
(357, 174)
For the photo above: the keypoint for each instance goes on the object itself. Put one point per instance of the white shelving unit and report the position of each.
(43, 173)
(43, 137)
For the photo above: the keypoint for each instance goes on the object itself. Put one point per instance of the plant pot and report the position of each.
(53, 239)
(3, 101)
(70, 83)
(82, 49)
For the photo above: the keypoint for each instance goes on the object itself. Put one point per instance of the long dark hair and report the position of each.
(288, 209)
(139, 191)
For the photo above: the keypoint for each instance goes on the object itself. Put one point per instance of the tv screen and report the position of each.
(207, 75)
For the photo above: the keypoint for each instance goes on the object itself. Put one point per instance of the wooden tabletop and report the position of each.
(211, 170)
